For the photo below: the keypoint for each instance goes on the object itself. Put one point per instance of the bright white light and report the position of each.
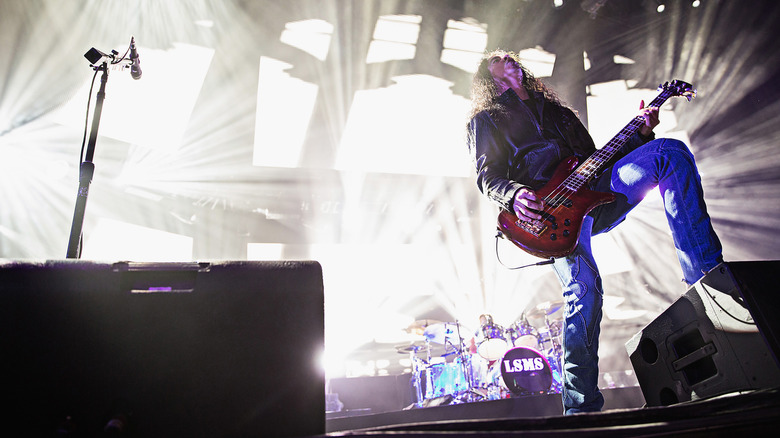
(347, 265)
(19, 163)
(336, 365)
(153, 111)
(116, 240)
(391, 328)
(557, 3)
(539, 61)
(464, 43)
(611, 105)
(696, 3)
(284, 107)
(264, 251)
(466, 61)
(585, 61)
(617, 59)
(322, 362)
(398, 28)
(417, 117)
(465, 35)
(395, 37)
(614, 313)
(660, 8)
(610, 258)
(135, 191)
(357, 369)
(378, 310)
(383, 51)
(311, 36)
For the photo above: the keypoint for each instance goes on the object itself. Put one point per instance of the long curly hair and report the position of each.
(484, 93)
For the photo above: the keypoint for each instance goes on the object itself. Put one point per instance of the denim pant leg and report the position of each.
(668, 164)
(582, 296)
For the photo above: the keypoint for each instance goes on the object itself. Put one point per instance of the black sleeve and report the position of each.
(492, 159)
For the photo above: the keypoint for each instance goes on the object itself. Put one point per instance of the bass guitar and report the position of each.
(567, 198)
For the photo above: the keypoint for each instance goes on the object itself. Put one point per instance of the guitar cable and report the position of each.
(500, 235)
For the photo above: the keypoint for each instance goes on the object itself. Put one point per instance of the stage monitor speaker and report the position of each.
(715, 339)
(162, 349)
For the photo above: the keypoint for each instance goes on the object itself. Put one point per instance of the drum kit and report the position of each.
(490, 363)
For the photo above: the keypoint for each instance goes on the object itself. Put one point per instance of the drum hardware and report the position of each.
(468, 367)
(523, 359)
(419, 365)
(523, 334)
(451, 335)
(418, 327)
(464, 361)
(550, 334)
(454, 373)
(413, 347)
(545, 309)
(491, 338)
(444, 333)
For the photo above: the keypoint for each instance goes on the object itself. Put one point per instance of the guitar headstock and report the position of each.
(678, 88)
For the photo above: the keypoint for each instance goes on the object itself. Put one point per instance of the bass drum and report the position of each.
(525, 371)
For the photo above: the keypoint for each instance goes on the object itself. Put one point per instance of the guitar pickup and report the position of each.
(560, 200)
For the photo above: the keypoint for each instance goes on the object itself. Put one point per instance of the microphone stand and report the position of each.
(86, 170)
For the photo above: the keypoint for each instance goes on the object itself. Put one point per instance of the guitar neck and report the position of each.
(590, 167)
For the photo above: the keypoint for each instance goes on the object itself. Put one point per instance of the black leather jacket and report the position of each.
(512, 149)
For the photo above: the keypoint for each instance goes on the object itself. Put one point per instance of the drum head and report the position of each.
(492, 349)
(491, 342)
(525, 371)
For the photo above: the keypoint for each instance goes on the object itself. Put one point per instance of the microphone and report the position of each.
(135, 67)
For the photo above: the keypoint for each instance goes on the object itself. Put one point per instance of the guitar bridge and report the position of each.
(535, 227)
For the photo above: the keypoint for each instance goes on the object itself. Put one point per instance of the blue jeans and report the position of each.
(665, 163)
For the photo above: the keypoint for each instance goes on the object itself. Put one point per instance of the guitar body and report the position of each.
(557, 233)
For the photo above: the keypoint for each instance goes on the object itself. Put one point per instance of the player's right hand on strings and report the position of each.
(524, 204)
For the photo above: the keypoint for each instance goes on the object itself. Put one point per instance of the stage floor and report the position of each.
(535, 406)
(754, 412)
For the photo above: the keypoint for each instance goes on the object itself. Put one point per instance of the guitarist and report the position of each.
(518, 132)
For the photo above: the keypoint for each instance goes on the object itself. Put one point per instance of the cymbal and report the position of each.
(545, 309)
(413, 347)
(445, 332)
(418, 327)
(421, 349)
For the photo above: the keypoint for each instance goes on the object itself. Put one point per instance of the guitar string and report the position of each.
(576, 180)
(595, 161)
(564, 189)
(585, 171)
